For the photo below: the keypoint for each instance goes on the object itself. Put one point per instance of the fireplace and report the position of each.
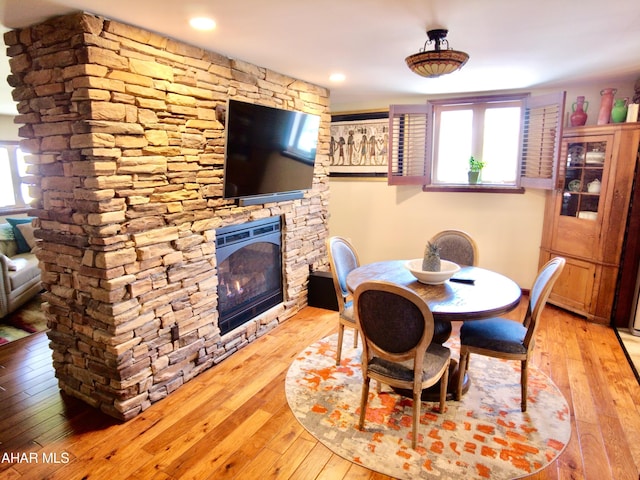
(249, 262)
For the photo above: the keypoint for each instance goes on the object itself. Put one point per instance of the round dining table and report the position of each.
(472, 293)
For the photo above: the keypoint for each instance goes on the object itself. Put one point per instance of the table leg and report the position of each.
(442, 332)
(432, 394)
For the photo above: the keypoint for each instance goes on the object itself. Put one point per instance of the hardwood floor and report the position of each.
(233, 421)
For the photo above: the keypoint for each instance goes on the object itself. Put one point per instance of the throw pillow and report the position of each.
(7, 240)
(26, 229)
(23, 246)
(6, 232)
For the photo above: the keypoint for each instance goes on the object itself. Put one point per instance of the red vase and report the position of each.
(606, 104)
(579, 115)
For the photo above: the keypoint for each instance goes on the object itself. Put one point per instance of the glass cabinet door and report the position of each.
(583, 179)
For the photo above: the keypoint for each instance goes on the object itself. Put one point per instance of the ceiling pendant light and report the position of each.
(442, 60)
(202, 23)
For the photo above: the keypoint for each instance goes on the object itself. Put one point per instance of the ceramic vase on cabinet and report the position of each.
(579, 115)
(619, 110)
(606, 104)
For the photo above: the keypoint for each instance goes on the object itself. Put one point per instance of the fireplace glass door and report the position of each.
(249, 271)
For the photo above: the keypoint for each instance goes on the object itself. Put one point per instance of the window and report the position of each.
(488, 131)
(303, 137)
(14, 194)
(516, 136)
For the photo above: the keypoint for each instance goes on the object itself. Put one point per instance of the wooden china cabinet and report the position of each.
(586, 216)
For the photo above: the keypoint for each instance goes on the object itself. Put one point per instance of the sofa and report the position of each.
(20, 277)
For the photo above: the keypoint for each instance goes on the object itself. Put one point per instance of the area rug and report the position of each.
(485, 435)
(25, 321)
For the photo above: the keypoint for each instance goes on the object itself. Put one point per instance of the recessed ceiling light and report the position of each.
(202, 23)
(337, 77)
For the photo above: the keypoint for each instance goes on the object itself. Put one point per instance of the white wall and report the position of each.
(8, 129)
(395, 222)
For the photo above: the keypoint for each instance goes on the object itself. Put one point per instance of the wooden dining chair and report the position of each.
(397, 328)
(456, 246)
(459, 247)
(508, 339)
(343, 258)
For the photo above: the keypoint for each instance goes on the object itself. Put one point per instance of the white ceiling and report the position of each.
(513, 44)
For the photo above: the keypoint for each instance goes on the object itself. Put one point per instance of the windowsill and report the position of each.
(483, 188)
(14, 210)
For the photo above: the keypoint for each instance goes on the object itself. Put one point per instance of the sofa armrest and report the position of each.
(5, 281)
(5, 285)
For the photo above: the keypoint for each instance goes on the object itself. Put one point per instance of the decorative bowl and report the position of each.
(574, 185)
(447, 269)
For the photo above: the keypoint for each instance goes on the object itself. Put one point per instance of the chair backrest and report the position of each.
(343, 258)
(395, 323)
(456, 246)
(539, 294)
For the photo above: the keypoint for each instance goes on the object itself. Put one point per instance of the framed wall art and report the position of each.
(359, 144)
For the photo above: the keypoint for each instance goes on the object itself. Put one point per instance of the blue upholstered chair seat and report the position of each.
(496, 334)
(507, 339)
(347, 314)
(342, 260)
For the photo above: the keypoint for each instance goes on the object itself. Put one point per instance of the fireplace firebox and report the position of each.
(249, 258)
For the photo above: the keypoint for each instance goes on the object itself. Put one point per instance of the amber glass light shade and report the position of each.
(433, 63)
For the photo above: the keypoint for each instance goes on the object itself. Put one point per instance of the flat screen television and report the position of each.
(268, 150)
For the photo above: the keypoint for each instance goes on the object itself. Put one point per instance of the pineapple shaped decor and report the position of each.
(431, 260)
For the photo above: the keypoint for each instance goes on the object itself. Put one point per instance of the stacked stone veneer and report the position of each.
(127, 141)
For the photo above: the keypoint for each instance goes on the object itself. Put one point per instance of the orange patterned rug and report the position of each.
(25, 321)
(485, 435)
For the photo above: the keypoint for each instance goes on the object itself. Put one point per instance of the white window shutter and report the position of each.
(410, 144)
(541, 138)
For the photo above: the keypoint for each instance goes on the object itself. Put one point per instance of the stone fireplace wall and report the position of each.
(125, 131)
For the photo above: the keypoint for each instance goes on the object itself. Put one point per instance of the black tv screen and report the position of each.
(268, 150)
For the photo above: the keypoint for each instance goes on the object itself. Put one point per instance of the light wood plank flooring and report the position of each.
(233, 421)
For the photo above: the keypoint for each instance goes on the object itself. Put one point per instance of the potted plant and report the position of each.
(475, 168)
